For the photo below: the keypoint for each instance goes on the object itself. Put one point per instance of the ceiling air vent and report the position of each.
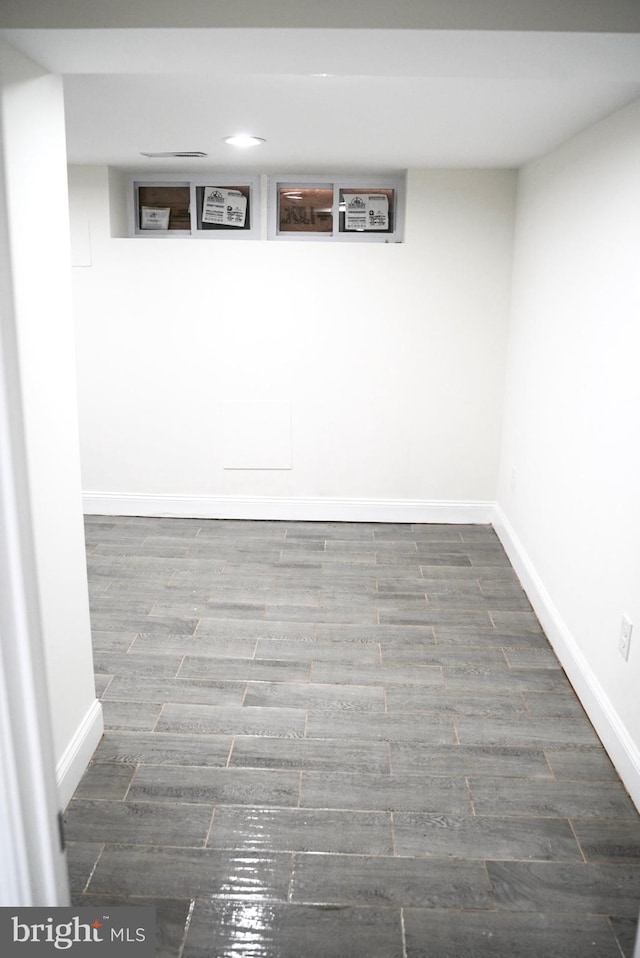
(182, 154)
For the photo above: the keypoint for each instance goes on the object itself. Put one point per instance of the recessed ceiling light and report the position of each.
(244, 140)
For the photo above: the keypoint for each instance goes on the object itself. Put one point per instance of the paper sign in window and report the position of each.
(153, 218)
(223, 207)
(366, 211)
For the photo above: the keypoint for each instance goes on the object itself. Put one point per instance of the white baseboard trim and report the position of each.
(280, 508)
(77, 755)
(622, 750)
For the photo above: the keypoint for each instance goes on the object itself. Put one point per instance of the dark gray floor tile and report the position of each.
(271, 591)
(359, 880)
(615, 842)
(363, 555)
(380, 545)
(218, 646)
(381, 726)
(309, 753)
(489, 638)
(505, 679)
(625, 930)
(136, 823)
(466, 934)
(157, 586)
(443, 559)
(260, 669)
(292, 650)
(469, 837)
(478, 760)
(111, 641)
(428, 548)
(446, 657)
(130, 715)
(387, 635)
(532, 659)
(228, 609)
(558, 887)
(409, 793)
(232, 629)
(551, 799)
(105, 781)
(171, 917)
(211, 720)
(155, 566)
(258, 528)
(309, 544)
(115, 663)
(488, 557)
(144, 688)
(302, 830)
(81, 861)
(516, 601)
(403, 586)
(193, 872)
(563, 703)
(404, 602)
(159, 748)
(331, 530)
(274, 930)
(205, 584)
(443, 532)
(272, 695)
(333, 613)
(329, 673)
(517, 622)
(434, 568)
(525, 730)
(163, 547)
(449, 702)
(340, 585)
(215, 786)
(581, 763)
(435, 618)
(101, 683)
(158, 625)
(385, 569)
(443, 585)
(112, 603)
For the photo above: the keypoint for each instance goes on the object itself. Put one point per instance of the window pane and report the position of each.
(155, 201)
(223, 207)
(305, 209)
(366, 210)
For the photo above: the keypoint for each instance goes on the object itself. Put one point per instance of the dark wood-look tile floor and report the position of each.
(329, 740)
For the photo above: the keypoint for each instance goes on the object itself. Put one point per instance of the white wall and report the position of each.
(38, 227)
(572, 423)
(392, 357)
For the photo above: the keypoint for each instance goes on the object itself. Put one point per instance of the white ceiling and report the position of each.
(392, 99)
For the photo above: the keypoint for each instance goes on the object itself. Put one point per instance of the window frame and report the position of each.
(197, 182)
(368, 183)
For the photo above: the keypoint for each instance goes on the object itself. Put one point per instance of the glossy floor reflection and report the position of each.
(336, 740)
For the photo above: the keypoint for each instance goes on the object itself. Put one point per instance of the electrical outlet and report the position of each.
(624, 639)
